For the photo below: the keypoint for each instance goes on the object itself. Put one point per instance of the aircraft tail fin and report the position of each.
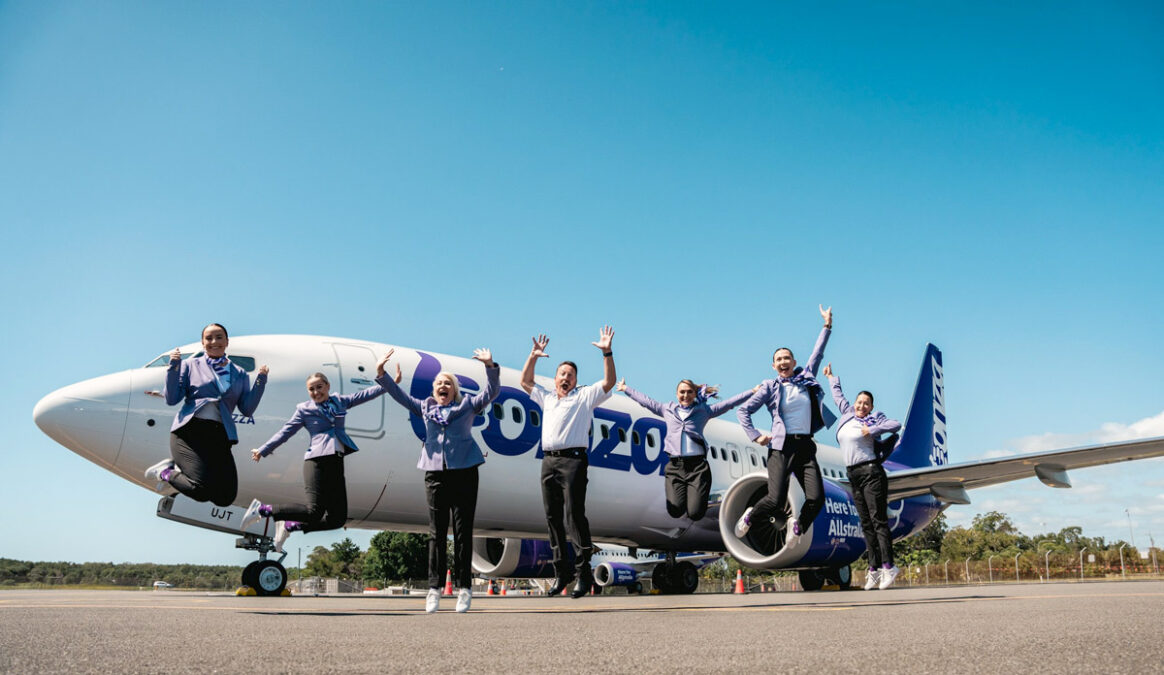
(923, 438)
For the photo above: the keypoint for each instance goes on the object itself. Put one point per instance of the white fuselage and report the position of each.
(114, 421)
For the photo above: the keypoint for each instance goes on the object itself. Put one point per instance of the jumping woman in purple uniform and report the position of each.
(210, 388)
(688, 475)
(323, 465)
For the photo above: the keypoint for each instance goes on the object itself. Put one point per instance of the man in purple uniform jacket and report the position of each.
(796, 401)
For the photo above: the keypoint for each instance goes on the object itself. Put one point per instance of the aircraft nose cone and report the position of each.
(88, 417)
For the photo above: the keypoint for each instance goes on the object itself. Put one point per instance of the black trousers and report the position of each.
(688, 485)
(201, 449)
(327, 496)
(797, 458)
(451, 491)
(870, 487)
(564, 497)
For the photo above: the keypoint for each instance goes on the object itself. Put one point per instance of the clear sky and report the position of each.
(983, 176)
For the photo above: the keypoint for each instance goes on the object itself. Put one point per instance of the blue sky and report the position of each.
(451, 175)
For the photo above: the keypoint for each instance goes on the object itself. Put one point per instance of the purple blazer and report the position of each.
(450, 446)
(771, 392)
(193, 383)
(328, 435)
(693, 425)
(883, 425)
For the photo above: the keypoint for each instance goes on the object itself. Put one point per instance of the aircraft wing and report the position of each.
(950, 482)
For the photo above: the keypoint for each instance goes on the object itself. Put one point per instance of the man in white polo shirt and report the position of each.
(567, 416)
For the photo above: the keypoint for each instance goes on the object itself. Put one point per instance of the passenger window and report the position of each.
(753, 458)
(621, 435)
(605, 430)
(498, 411)
(712, 449)
(650, 440)
(635, 437)
(515, 413)
(534, 418)
(764, 461)
(735, 457)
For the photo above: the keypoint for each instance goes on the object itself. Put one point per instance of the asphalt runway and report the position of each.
(1112, 627)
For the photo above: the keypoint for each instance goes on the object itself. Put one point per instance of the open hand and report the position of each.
(621, 386)
(484, 356)
(384, 361)
(539, 346)
(827, 315)
(605, 337)
(828, 371)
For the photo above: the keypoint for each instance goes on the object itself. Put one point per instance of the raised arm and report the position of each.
(605, 338)
(821, 341)
(176, 379)
(720, 407)
(744, 414)
(248, 403)
(492, 381)
(838, 395)
(392, 387)
(281, 436)
(641, 398)
(538, 352)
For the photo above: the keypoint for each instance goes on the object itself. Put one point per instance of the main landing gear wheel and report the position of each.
(270, 578)
(811, 580)
(660, 580)
(684, 578)
(814, 580)
(842, 576)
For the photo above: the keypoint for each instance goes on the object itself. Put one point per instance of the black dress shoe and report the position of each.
(581, 588)
(559, 586)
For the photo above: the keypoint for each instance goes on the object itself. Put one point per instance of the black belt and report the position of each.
(679, 460)
(577, 453)
(798, 437)
(858, 465)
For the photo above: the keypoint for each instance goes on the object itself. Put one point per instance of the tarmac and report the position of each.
(1111, 627)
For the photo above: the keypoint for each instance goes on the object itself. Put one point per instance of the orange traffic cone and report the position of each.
(448, 582)
(740, 582)
(490, 592)
(505, 589)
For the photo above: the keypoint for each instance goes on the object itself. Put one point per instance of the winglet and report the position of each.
(923, 440)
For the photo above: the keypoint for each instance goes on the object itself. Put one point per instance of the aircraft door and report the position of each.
(357, 368)
(735, 459)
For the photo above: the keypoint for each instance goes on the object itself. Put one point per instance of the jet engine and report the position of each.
(522, 558)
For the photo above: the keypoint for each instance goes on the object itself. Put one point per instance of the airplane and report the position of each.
(119, 422)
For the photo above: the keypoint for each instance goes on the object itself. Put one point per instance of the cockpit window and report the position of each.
(247, 363)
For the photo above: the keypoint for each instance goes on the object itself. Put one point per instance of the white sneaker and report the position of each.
(281, 535)
(463, 599)
(790, 538)
(154, 473)
(871, 579)
(433, 600)
(888, 575)
(742, 525)
(252, 515)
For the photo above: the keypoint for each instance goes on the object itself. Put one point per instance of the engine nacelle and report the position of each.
(520, 558)
(615, 574)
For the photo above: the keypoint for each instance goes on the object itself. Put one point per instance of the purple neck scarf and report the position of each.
(438, 415)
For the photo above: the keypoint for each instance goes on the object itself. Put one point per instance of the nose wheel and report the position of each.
(266, 577)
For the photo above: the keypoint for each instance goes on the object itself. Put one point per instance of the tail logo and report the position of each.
(938, 453)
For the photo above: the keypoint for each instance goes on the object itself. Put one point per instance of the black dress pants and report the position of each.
(201, 449)
(451, 491)
(688, 486)
(797, 458)
(870, 487)
(564, 497)
(327, 496)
